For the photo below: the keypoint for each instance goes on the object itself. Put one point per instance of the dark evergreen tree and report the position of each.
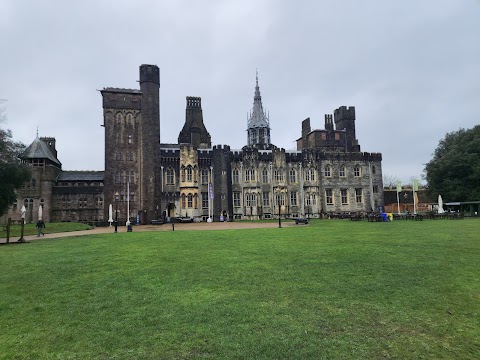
(454, 171)
(12, 172)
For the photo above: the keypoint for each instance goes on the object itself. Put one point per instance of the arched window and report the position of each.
(342, 171)
(265, 175)
(119, 119)
(183, 201)
(189, 173)
(310, 175)
(189, 201)
(182, 172)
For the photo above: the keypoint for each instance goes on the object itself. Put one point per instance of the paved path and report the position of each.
(165, 227)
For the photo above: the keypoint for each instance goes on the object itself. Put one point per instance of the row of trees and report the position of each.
(12, 173)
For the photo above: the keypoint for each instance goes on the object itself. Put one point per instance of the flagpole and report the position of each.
(128, 203)
(415, 184)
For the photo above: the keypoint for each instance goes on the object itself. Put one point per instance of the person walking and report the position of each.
(40, 225)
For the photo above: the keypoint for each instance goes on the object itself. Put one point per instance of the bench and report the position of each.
(157, 222)
(301, 221)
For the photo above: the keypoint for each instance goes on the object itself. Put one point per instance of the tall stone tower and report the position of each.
(258, 123)
(132, 148)
(194, 131)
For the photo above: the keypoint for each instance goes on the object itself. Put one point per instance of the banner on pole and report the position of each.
(210, 190)
(415, 185)
(399, 186)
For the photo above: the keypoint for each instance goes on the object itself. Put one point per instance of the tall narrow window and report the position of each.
(183, 201)
(344, 196)
(293, 176)
(183, 174)
(189, 173)
(235, 176)
(189, 200)
(329, 196)
(205, 200)
(342, 171)
(358, 195)
(169, 176)
(265, 176)
(204, 176)
(293, 198)
(266, 199)
(236, 199)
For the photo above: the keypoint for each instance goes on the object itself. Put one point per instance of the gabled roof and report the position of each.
(38, 149)
(81, 176)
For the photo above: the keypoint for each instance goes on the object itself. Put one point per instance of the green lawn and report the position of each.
(332, 289)
(50, 228)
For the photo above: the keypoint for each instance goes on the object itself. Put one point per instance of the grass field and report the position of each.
(332, 289)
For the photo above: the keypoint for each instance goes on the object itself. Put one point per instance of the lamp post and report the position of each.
(279, 207)
(116, 210)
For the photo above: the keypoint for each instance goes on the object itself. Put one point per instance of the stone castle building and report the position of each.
(191, 178)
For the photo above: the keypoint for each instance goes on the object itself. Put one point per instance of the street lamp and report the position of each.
(116, 210)
(23, 211)
(279, 207)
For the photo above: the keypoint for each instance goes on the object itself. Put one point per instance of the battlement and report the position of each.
(344, 113)
(221, 147)
(194, 102)
(150, 73)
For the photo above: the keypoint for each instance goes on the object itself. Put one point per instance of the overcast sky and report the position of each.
(411, 68)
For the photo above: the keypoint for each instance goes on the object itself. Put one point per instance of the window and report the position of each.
(342, 171)
(311, 199)
(266, 199)
(183, 197)
(119, 119)
(337, 136)
(129, 119)
(190, 201)
(293, 198)
(204, 176)
(117, 177)
(249, 175)
(310, 175)
(358, 195)
(250, 199)
(293, 176)
(129, 138)
(130, 156)
(183, 174)
(373, 170)
(324, 136)
(189, 173)
(235, 176)
(280, 199)
(169, 174)
(204, 200)
(265, 176)
(132, 177)
(344, 196)
(278, 174)
(328, 171)
(329, 196)
(195, 201)
(119, 139)
(356, 170)
(236, 199)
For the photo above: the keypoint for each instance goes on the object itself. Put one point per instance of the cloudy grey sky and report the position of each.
(411, 68)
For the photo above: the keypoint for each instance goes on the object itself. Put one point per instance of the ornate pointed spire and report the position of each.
(258, 123)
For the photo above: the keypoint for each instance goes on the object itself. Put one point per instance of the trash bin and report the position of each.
(384, 217)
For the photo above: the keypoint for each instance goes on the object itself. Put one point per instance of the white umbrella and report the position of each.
(40, 212)
(440, 205)
(110, 214)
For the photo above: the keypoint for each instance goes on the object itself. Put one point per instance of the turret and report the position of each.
(194, 131)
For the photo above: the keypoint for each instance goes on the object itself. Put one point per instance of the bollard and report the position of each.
(173, 227)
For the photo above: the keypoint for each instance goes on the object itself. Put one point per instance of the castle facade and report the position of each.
(147, 180)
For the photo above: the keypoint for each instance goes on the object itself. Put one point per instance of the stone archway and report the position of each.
(170, 210)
